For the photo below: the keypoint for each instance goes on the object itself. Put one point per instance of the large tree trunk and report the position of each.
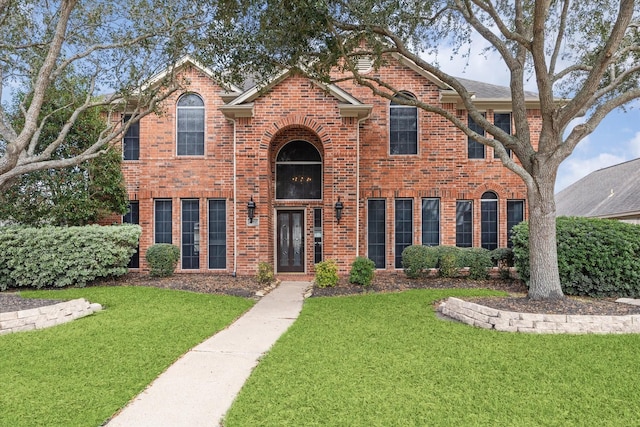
(543, 252)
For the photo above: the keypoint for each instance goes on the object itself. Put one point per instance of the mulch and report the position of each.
(383, 282)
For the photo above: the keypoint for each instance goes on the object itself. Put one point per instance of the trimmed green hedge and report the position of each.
(416, 259)
(163, 259)
(596, 257)
(64, 256)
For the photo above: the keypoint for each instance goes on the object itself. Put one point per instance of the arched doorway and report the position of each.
(298, 178)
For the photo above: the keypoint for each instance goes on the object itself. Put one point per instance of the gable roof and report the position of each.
(606, 193)
(188, 60)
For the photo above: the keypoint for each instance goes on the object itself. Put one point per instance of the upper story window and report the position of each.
(475, 149)
(298, 171)
(503, 121)
(131, 140)
(190, 125)
(403, 126)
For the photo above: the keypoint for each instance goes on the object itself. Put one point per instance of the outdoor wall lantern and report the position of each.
(251, 209)
(339, 206)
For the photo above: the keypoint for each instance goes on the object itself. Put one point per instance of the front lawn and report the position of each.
(386, 360)
(81, 373)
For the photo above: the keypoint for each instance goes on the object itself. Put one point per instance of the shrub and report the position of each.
(596, 257)
(503, 259)
(163, 259)
(64, 256)
(326, 274)
(362, 271)
(417, 258)
(265, 274)
(479, 261)
(448, 264)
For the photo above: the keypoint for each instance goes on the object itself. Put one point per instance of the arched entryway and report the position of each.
(298, 181)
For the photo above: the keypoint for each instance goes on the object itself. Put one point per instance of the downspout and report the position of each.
(235, 203)
(358, 182)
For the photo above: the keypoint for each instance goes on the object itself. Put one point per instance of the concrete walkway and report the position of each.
(199, 388)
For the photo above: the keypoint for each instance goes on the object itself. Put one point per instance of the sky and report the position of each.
(615, 140)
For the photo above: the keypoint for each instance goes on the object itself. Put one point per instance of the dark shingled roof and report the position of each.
(608, 192)
(490, 91)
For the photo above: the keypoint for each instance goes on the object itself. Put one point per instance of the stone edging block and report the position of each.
(47, 316)
(508, 321)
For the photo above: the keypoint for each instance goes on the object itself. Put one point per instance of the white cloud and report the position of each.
(634, 145)
(572, 169)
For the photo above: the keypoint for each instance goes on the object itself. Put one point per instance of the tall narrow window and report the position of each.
(489, 220)
(464, 223)
(131, 141)
(190, 125)
(376, 232)
(163, 222)
(403, 126)
(515, 215)
(403, 228)
(298, 171)
(503, 121)
(133, 217)
(317, 235)
(190, 234)
(431, 222)
(217, 234)
(475, 149)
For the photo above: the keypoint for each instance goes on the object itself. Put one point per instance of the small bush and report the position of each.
(503, 259)
(326, 274)
(265, 274)
(362, 271)
(448, 264)
(163, 259)
(417, 258)
(479, 262)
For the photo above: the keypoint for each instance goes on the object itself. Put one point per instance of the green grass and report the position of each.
(386, 360)
(81, 373)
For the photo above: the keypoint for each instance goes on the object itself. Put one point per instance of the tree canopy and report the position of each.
(583, 57)
(75, 195)
(116, 47)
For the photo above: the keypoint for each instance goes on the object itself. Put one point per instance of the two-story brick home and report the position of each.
(301, 171)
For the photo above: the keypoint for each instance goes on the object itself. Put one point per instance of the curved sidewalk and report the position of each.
(199, 388)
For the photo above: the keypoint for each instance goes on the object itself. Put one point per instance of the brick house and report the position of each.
(332, 171)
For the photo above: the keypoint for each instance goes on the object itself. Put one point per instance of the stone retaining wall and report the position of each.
(47, 316)
(508, 321)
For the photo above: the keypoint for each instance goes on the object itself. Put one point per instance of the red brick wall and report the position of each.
(294, 109)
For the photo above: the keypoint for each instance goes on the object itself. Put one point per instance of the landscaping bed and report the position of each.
(246, 286)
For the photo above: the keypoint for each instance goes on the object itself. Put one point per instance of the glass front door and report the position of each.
(290, 241)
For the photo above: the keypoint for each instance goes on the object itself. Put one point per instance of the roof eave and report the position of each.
(237, 111)
(452, 97)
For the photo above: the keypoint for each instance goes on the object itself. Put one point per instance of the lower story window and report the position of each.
(431, 222)
(217, 234)
(190, 234)
(489, 220)
(515, 215)
(376, 232)
(133, 217)
(464, 223)
(403, 228)
(162, 221)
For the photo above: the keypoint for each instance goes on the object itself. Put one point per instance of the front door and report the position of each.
(290, 241)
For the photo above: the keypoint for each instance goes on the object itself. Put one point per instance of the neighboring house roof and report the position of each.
(486, 91)
(612, 192)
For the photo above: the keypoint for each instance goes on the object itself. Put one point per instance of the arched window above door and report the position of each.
(298, 171)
